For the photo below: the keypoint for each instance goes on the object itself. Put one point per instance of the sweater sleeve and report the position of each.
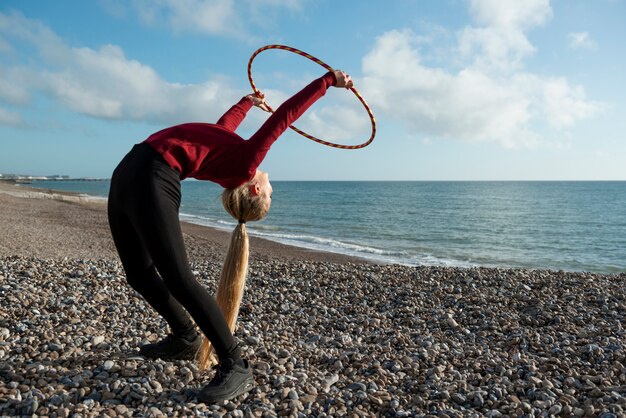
(235, 115)
(287, 114)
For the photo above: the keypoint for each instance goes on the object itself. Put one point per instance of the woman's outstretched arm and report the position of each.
(291, 110)
(236, 114)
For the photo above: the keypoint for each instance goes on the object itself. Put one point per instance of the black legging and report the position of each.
(144, 200)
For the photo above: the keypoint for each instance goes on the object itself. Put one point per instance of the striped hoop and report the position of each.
(327, 67)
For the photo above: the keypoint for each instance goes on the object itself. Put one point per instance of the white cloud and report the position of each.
(115, 8)
(34, 34)
(5, 47)
(10, 118)
(581, 40)
(216, 17)
(11, 86)
(564, 104)
(288, 4)
(495, 48)
(342, 124)
(102, 83)
(499, 42)
(467, 105)
(491, 97)
(518, 14)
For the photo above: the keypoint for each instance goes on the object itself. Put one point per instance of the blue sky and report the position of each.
(461, 89)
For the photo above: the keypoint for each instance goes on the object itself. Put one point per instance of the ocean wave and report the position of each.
(93, 198)
(322, 243)
(206, 221)
(325, 244)
(379, 255)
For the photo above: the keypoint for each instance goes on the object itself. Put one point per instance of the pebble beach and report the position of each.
(326, 335)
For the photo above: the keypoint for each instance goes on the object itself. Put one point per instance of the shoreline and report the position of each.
(202, 241)
(84, 218)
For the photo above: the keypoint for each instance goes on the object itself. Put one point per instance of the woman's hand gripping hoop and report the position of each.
(326, 66)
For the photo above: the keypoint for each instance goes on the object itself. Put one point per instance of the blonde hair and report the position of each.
(244, 207)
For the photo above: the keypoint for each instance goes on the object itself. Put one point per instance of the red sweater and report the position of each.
(215, 152)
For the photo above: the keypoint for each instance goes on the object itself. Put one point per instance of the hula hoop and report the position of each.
(327, 67)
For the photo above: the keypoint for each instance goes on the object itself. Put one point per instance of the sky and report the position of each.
(461, 89)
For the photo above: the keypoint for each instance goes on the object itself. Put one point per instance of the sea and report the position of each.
(569, 226)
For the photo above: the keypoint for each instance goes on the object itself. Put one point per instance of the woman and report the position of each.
(144, 200)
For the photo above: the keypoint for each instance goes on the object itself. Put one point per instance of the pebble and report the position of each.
(323, 340)
(357, 386)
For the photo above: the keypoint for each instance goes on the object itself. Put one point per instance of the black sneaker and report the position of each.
(173, 348)
(230, 381)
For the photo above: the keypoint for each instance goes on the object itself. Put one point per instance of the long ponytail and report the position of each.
(243, 207)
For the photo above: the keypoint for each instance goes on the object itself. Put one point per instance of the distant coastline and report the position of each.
(24, 178)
